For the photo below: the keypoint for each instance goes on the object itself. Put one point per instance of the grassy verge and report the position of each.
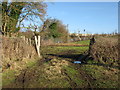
(103, 77)
(9, 75)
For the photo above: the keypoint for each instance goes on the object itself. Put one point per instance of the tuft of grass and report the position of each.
(8, 77)
(31, 63)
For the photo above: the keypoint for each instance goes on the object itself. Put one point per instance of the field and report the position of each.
(44, 45)
(57, 70)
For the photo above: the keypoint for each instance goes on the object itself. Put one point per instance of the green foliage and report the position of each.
(53, 30)
(13, 13)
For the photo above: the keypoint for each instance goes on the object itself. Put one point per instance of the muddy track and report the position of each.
(87, 77)
(20, 80)
(84, 75)
(23, 79)
(72, 83)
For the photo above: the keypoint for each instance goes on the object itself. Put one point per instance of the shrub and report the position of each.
(105, 50)
(16, 50)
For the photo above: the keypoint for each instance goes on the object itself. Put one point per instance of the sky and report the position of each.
(94, 17)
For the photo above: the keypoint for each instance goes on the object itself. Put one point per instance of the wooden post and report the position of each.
(37, 42)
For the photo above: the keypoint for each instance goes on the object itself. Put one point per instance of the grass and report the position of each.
(104, 77)
(31, 63)
(0, 80)
(54, 83)
(56, 50)
(8, 77)
(70, 70)
(42, 80)
(85, 42)
(75, 76)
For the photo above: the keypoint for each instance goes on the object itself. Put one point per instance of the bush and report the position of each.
(105, 50)
(16, 50)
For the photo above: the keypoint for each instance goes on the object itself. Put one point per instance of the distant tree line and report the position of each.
(53, 28)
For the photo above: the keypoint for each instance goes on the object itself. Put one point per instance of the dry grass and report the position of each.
(46, 42)
(16, 50)
(105, 50)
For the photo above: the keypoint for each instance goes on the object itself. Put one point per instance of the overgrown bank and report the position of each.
(16, 56)
(15, 52)
(105, 50)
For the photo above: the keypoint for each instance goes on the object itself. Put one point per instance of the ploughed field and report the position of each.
(57, 70)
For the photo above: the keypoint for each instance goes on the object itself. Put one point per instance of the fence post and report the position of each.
(37, 42)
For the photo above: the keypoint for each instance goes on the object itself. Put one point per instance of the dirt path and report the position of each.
(57, 70)
(30, 76)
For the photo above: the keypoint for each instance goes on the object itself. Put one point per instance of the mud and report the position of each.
(49, 73)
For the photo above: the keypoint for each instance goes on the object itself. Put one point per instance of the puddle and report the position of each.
(78, 62)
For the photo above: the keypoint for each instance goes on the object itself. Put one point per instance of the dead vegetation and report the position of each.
(105, 50)
(46, 42)
(16, 50)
